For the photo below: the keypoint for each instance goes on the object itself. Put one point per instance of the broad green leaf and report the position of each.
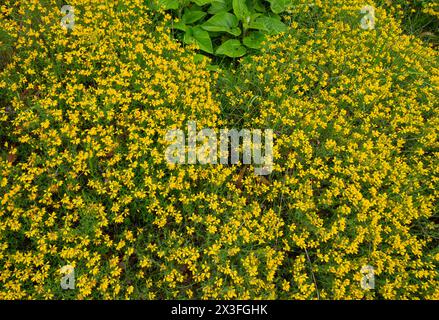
(222, 22)
(258, 5)
(254, 16)
(190, 17)
(231, 48)
(240, 9)
(246, 23)
(254, 40)
(203, 2)
(179, 26)
(188, 37)
(200, 37)
(169, 4)
(259, 25)
(278, 6)
(269, 24)
(220, 6)
(235, 31)
(203, 39)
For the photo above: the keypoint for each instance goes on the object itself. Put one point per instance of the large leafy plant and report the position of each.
(227, 27)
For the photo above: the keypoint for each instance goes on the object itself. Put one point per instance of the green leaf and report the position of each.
(235, 31)
(254, 40)
(188, 37)
(200, 37)
(203, 39)
(222, 22)
(278, 6)
(259, 25)
(246, 23)
(190, 17)
(268, 24)
(202, 2)
(258, 6)
(220, 6)
(169, 4)
(179, 26)
(231, 48)
(240, 9)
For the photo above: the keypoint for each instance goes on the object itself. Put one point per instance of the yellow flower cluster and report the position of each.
(356, 175)
(84, 180)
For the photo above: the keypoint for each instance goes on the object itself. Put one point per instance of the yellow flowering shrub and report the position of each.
(355, 180)
(84, 180)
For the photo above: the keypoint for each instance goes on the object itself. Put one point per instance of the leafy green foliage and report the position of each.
(254, 40)
(232, 48)
(199, 36)
(226, 27)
